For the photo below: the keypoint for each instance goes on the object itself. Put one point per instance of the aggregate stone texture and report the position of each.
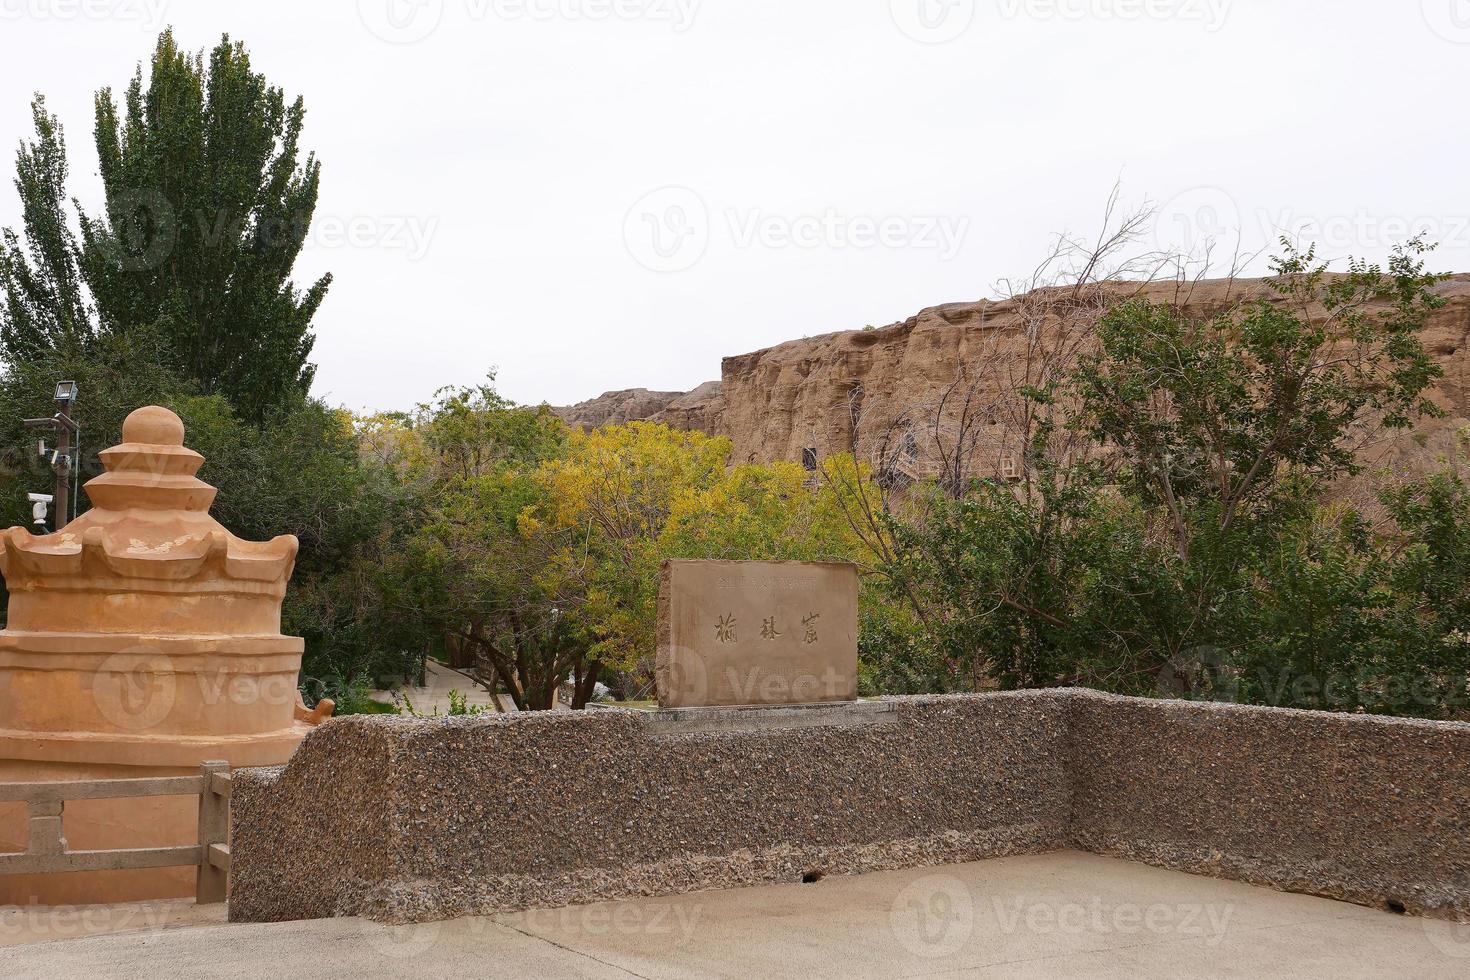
(406, 819)
(1362, 808)
(418, 819)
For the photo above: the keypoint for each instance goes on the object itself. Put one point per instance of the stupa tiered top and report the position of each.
(144, 632)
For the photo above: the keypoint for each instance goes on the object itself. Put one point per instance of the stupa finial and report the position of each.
(153, 425)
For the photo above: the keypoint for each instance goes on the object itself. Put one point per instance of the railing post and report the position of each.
(45, 819)
(214, 828)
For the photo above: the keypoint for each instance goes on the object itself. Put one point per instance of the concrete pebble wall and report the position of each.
(417, 819)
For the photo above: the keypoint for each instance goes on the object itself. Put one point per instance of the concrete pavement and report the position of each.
(439, 680)
(1066, 914)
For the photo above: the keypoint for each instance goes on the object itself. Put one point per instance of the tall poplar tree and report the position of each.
(207, 208)
(45, 306)
(207, 204)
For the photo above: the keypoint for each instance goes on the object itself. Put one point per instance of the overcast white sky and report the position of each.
(599, 194)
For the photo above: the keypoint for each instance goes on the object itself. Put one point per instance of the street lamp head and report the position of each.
(66, 393)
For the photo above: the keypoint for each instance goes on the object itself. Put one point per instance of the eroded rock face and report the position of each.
(860, 390)
(702, 409)
(616, 407)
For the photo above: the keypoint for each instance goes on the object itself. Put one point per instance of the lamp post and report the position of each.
(62, 458)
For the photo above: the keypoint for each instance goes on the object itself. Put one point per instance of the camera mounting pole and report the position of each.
(63, 461)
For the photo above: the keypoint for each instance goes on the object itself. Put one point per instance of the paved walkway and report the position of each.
(439, 680)
(1056, 915)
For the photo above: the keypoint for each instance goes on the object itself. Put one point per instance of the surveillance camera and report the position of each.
(39, 503)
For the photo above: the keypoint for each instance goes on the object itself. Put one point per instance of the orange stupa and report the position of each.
(143, 639)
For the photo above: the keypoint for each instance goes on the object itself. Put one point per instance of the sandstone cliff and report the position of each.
(617, 407)
(855, 389)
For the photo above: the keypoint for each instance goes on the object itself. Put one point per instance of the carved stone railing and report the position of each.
(47, 851)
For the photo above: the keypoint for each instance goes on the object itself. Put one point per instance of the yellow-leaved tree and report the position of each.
(624, 497)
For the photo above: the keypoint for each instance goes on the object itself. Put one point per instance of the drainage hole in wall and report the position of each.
(1395, 906)
(811, 876)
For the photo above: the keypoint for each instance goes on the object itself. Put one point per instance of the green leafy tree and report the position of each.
(207, 208)
(1219, 413)
(1192, 552)
(45, 301)
(207, 204)
(469, 574)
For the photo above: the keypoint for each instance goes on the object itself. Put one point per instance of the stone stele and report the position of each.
(756, 633)
(143, 639)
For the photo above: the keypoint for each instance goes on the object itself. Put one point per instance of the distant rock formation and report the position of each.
(617, 407)
(863, 390)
